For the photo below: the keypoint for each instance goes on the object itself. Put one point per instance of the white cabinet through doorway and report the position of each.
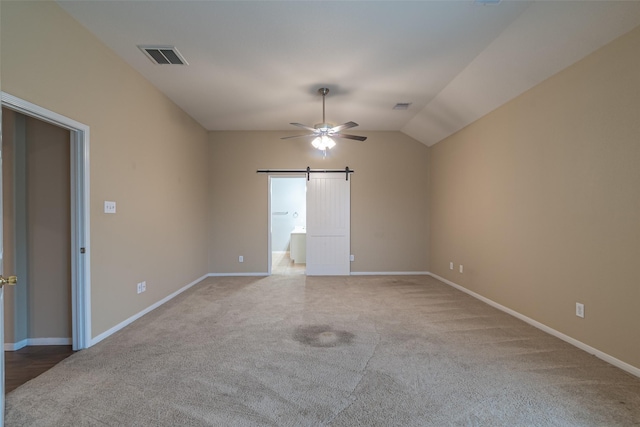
(299, 246)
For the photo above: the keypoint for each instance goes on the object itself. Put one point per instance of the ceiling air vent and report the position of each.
(163, 55)
(402, 106)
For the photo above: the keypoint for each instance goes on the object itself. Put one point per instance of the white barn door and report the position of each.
(328, 224)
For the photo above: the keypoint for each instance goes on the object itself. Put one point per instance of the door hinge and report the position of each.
(82, 250)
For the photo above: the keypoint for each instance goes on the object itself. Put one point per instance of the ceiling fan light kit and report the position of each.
(323, 143)
(325, 132)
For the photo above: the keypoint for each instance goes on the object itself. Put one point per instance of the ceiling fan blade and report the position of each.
(300, 125)
(343, 126)
(298, 136)
(356, 137)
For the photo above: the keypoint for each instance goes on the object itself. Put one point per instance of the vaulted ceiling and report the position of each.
(257, 65)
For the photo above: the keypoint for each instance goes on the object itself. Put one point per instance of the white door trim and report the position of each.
(80, 213)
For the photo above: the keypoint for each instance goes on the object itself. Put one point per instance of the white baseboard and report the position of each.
(8, 346)
(13, 346)
(582, 346)
(131, 319)
(237, 274)
(353, 273)
(389, 273)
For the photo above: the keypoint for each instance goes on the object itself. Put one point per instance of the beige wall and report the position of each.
(540, 200)
(48, 230)
(146, 154)
(389, 208)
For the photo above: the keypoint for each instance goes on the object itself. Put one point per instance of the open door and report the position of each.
(2, 355)
(3, 281)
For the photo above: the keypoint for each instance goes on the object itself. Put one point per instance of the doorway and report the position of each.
(287, 224)
(36, 190)
(79, 250)
(37, 241)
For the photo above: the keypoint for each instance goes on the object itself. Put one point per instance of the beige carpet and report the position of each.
(354, 351)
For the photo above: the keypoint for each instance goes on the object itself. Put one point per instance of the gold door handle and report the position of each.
(11, 280)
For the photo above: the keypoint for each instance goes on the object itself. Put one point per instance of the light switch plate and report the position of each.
(109, 207)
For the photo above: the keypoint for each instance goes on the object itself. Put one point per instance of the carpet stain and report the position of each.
(322, 336)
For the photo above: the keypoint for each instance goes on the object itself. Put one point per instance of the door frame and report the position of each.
(80, 213)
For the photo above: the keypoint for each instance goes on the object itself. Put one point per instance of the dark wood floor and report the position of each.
(29, 362)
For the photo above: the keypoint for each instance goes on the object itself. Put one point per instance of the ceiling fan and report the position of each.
(324, 132)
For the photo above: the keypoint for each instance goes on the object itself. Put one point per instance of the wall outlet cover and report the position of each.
(580, 310)
(109, 207)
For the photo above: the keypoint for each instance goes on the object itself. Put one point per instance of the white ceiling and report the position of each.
(257, 65)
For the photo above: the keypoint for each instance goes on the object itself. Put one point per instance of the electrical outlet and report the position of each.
(352, 257)
(580, 310)
(451, 265)
(461, 269)
(141, 287)
(241, 258)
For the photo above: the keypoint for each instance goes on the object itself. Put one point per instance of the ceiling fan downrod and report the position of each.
(323, 91)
